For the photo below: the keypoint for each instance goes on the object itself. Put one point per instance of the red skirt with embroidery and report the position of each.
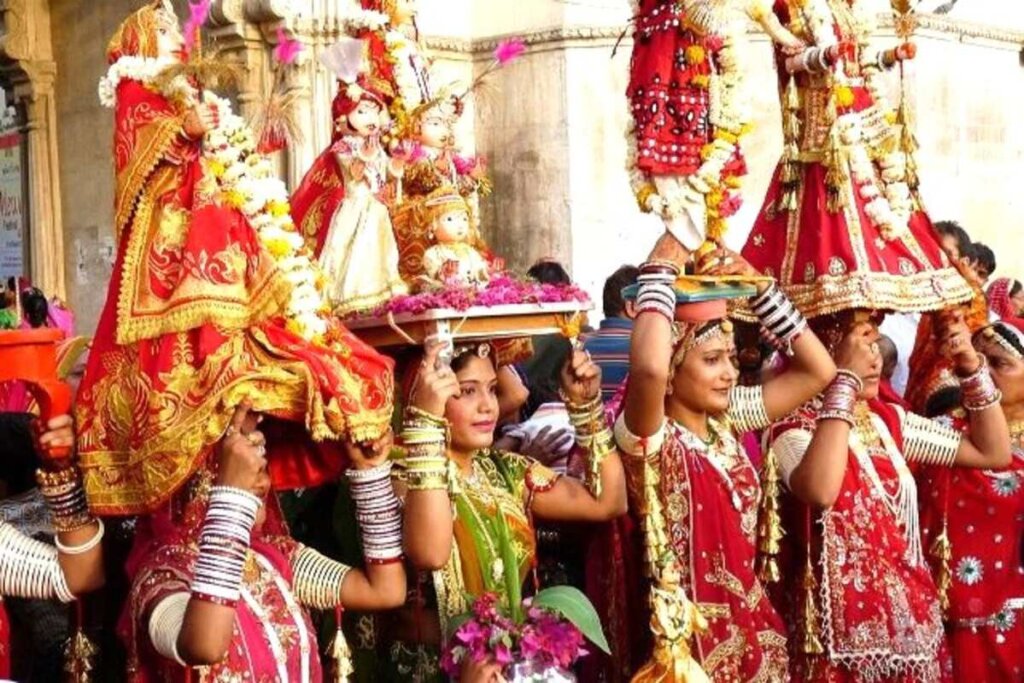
(833, 261)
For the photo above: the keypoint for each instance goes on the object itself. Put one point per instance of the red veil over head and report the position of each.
(194, 323)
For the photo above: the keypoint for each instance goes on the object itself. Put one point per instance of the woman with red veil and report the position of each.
(195, 318)
(973, 524)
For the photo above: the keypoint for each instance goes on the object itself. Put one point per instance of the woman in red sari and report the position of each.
(684, 414)
(973, 521)
(861, 602)
(195, 314)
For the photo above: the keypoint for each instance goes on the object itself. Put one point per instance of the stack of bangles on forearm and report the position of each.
(656, 293)
(592, 435)
(378, 512)
(841, 397)
(781, 322)
(224, 545)
(65, 497)
(425, 437)
(815, 59)
(978, 391)
(30, 568)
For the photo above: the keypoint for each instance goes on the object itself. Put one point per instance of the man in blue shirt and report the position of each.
(608, 346)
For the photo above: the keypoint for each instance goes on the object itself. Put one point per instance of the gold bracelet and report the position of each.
(427, 481)
(63, 477)
(431, 419)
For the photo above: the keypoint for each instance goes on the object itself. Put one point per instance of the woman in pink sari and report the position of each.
(218, 583)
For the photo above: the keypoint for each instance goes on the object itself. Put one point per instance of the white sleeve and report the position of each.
(790, 449)
(929, 442)
(165, 622)
(631, 444)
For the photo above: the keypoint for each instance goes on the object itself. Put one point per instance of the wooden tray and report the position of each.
(478, 322)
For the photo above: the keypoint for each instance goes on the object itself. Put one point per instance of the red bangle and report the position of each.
(393, 560)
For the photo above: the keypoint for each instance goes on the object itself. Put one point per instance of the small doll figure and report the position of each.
(435, 160)
(447, 218)
(360, 255)
(339, 204)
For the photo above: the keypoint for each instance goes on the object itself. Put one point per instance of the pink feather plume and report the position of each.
(287, 49)
(198, 13)
(509, 50)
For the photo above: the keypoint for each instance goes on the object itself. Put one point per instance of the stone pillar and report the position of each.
(27, 49)
(245, 31)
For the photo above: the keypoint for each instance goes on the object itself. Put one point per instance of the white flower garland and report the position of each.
(246, 180)
(144, 70)
(357, 19)
(239, 176)
(728, 113)
(889, 203)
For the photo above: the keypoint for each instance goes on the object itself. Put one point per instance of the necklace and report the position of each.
(711, 455)
(871, 435)
(479, 483)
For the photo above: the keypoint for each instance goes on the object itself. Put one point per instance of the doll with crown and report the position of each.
(342, 198)
(446, 217)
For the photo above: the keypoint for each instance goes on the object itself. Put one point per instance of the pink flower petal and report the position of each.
(287, 49)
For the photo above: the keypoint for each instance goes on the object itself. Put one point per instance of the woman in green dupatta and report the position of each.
(469, 508)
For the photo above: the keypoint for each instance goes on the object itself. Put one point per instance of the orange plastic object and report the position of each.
(31, 356)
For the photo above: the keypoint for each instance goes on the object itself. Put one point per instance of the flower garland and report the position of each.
(713, 182)
(144, 70)
(888, 199)
(358, 19)
(247, 181)
(236, 175)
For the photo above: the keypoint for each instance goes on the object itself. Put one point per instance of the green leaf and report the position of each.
(574, 606)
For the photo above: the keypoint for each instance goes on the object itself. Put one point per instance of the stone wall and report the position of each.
(552, 126)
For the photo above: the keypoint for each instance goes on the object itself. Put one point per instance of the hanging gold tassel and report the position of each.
(942, 551)
(810, 642)
(674, 618)
(340, 652)
(791, 172)
(79, 652)
(835, 175)
(769, 521)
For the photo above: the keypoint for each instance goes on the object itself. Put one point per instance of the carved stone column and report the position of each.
(245, 31)
(26, 57)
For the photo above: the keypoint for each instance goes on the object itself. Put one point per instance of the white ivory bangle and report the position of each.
(85, 547)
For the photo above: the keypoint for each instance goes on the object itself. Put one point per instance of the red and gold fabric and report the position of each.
(193, 324)
(668, 91)
(819, 232)
(981, 513)
(711, 500)
(877, 612)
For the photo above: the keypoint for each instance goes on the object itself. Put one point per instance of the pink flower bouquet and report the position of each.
(540, 641)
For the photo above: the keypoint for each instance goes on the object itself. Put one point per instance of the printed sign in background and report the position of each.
(12, 234)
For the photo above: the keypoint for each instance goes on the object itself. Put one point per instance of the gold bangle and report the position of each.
(63, 477)
(430, 418)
